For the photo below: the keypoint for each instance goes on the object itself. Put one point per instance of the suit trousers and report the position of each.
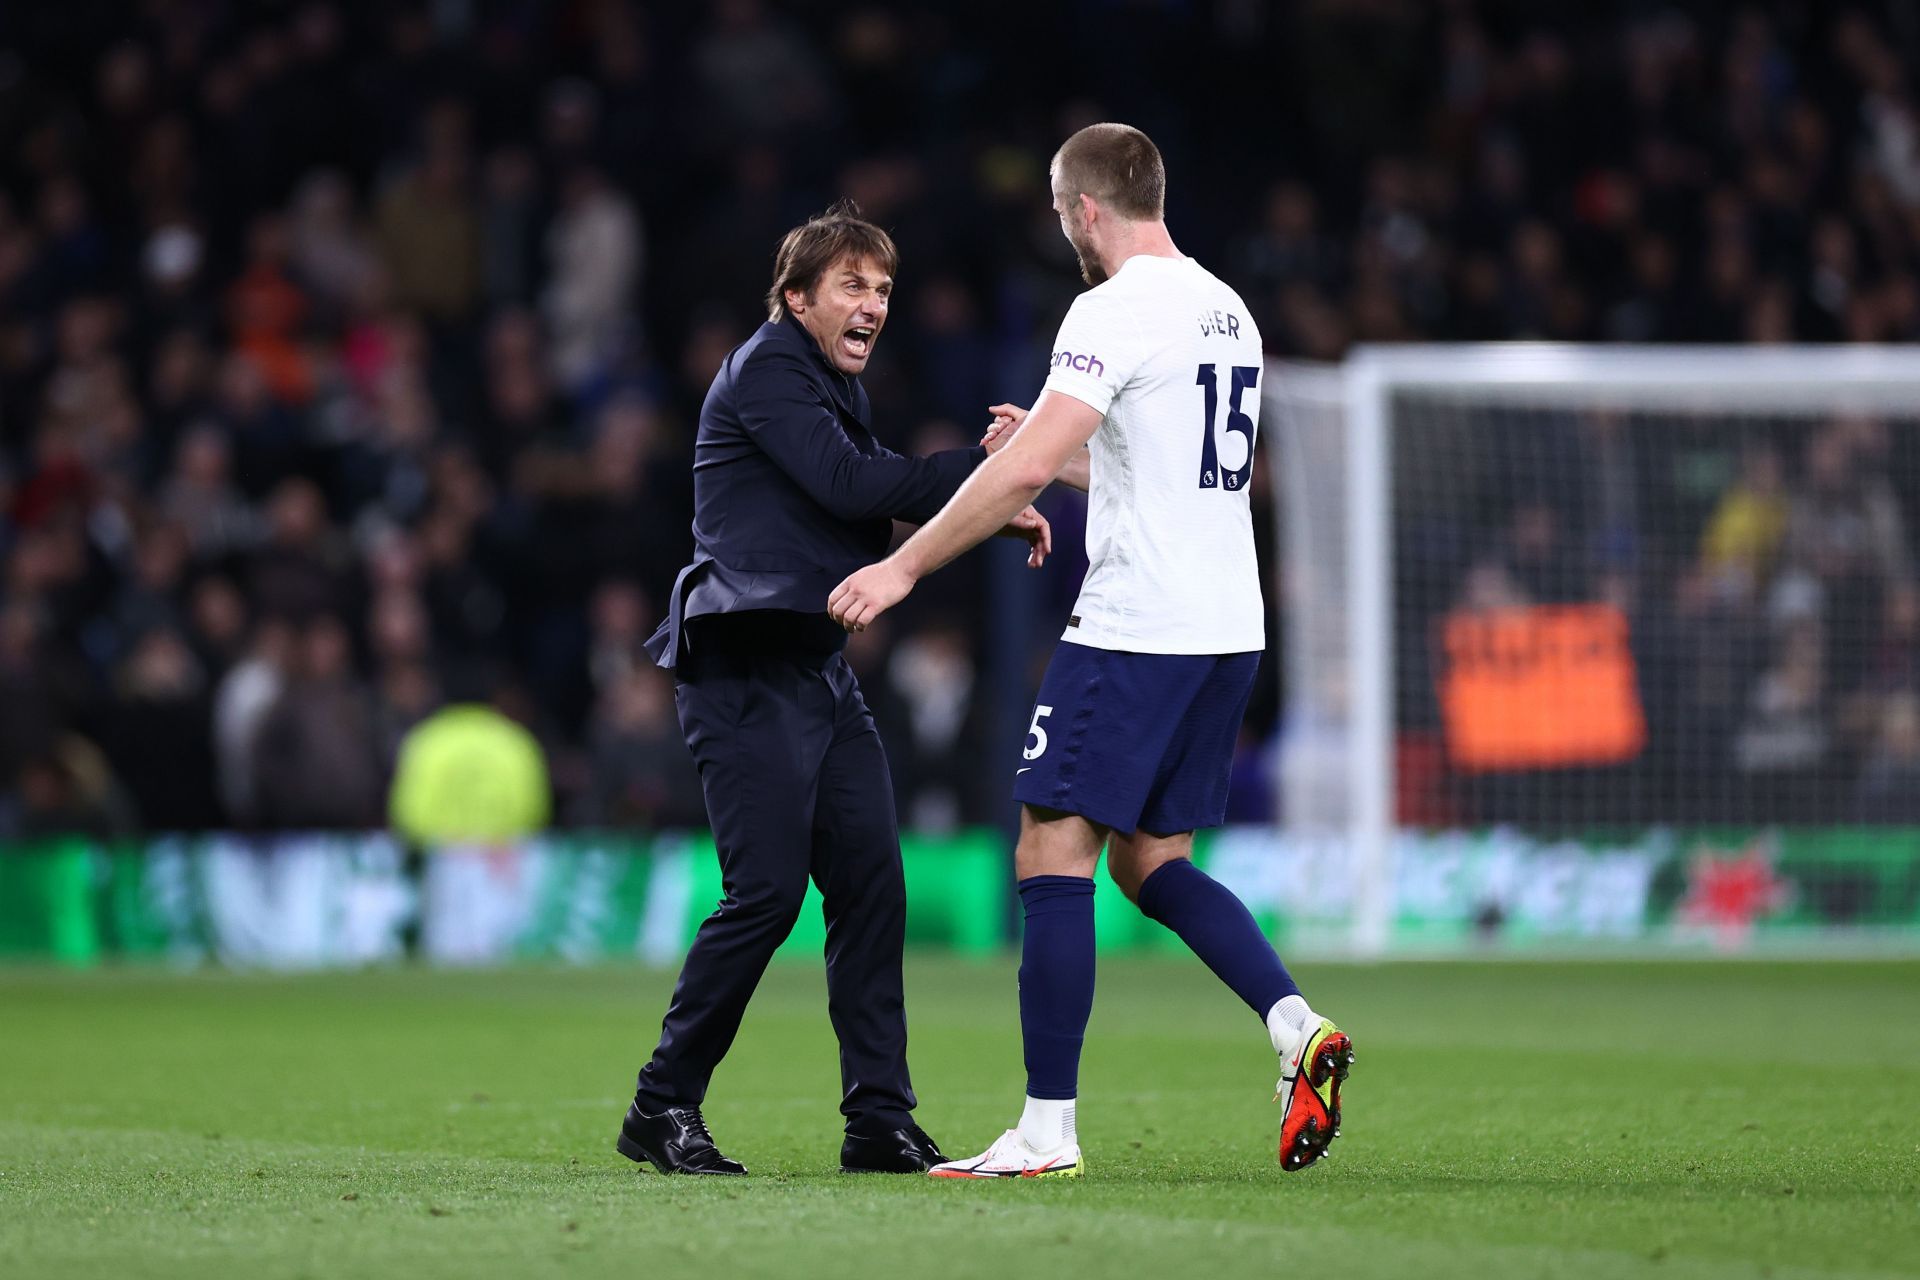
(797, 787)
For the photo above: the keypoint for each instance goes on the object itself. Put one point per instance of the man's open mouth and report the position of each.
(858, 341)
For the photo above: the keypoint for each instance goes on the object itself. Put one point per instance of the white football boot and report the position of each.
(1011, 1157)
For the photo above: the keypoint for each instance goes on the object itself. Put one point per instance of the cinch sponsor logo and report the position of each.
(1082, 363)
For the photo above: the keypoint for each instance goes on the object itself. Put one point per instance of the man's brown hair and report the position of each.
(1117, 165)
(819, 242)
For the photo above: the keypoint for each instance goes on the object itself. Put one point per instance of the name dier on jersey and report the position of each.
(1212, 324)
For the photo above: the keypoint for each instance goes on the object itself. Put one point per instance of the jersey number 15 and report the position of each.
(1236, 468)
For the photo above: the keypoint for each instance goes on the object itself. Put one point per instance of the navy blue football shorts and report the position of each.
(1136, 741)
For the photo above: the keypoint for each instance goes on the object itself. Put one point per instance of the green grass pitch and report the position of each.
(1686, 1119)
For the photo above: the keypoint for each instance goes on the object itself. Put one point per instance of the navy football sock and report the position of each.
(1220, 930)
(1056, 981)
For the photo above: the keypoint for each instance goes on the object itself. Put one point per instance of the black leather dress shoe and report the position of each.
(675, 1141)
(907, 1150)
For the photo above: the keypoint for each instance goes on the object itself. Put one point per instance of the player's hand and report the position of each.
(1031, 527)
(1007, 420)
(868, 593)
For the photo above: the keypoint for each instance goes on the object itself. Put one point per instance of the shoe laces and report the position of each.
(694, 1123)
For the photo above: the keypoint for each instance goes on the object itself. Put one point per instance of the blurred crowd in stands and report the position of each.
(350, 352)
(1766, 566)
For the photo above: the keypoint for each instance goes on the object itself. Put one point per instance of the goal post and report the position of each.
(1504, 570)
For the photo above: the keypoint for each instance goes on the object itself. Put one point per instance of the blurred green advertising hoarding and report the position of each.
(321, 901)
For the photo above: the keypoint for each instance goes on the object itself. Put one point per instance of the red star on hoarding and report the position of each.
(1733, 891)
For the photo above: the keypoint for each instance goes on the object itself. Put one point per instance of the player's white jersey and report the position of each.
(1170, 355)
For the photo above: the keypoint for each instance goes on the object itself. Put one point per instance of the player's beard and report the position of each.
(1090, 269)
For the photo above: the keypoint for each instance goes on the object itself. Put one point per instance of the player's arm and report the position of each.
(782, 415)
(1057, 429)
(1007, 421)
(1078, 473)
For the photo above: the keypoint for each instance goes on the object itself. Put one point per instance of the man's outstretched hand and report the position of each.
(867, 593)
(870, 592)
(1032, 528)
(1007, 420)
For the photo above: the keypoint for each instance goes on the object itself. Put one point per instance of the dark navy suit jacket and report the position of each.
(791, 492)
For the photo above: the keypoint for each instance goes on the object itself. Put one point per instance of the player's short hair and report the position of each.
(1117, 165)
(822, 240)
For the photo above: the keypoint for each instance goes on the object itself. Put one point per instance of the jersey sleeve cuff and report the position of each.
(1088, 391)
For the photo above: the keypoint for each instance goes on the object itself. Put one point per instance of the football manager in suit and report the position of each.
(792, 493)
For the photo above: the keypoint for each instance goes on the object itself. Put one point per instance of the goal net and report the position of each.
(1597, 646)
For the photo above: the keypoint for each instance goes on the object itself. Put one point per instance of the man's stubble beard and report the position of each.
(1090, 269)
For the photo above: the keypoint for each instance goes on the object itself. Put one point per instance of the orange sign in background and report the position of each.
(1545, 687)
